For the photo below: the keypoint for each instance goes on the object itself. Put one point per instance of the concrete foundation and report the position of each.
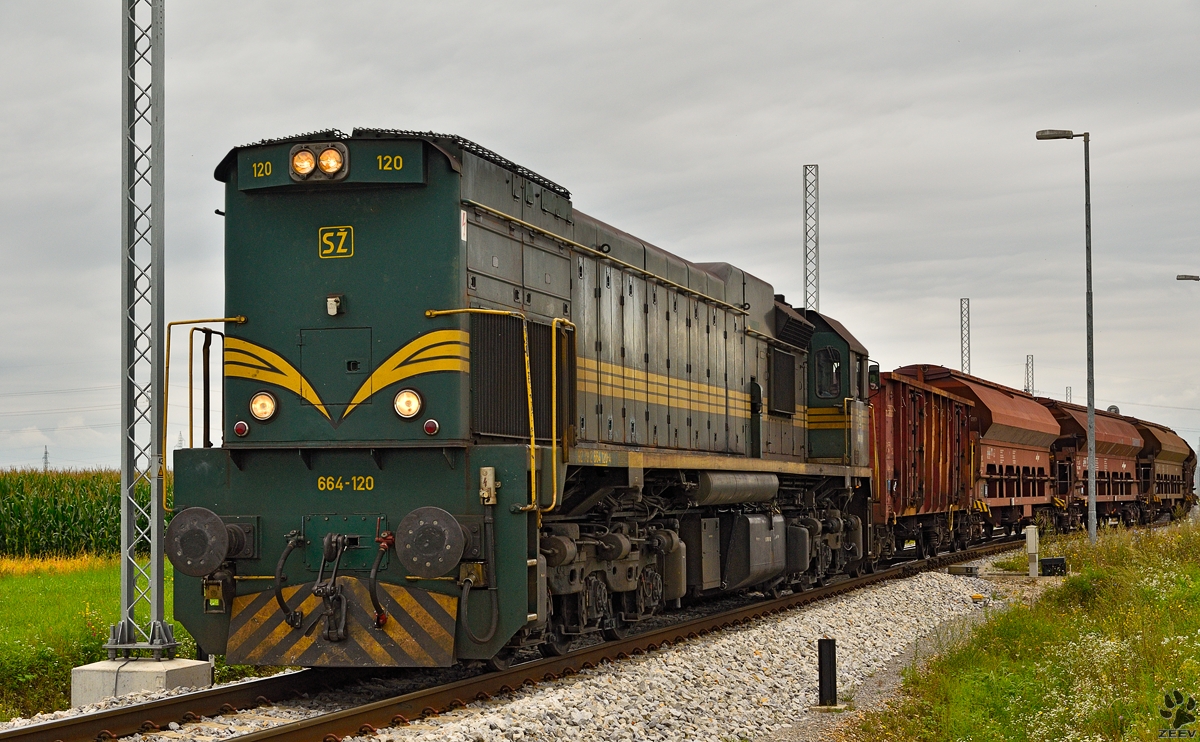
(100, 680)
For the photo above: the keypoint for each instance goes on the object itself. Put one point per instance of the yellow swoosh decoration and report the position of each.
(249, 361)
(440, 350)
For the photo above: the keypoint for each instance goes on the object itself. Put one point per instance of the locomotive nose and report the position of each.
(198, 541)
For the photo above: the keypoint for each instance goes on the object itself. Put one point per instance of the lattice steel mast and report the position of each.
(1068, 395)
(812, 241)
(1029, 374)
(964, 335)
(141, 626)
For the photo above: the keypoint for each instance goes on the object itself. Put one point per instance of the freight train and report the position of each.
(462, 418)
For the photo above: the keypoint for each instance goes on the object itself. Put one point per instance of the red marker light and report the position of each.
(241, 428)
(431, 427)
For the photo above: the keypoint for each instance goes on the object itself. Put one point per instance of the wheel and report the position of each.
(620, 629)
(556, 645)
(501, 662)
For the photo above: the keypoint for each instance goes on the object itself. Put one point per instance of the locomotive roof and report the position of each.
(840, 329)
(437, 140)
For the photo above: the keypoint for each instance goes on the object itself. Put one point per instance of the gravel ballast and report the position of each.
(744, 683)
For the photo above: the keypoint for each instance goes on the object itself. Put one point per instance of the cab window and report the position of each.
(829, 373)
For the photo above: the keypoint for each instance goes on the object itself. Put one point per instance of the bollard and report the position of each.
(1031, 548)
(827, 671)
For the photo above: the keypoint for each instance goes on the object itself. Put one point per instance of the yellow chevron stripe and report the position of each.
(246, 360)
(440, 350)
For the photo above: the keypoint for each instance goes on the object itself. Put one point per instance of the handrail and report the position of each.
(191, 382)
(554, 409)
(431, 313)
(604, 256)
(771, 340)
(162, 462)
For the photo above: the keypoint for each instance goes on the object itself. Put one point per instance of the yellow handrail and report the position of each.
(554, 408)
(162, 463)
(431, 313)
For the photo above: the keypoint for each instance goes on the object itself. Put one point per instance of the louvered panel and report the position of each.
(498, 392)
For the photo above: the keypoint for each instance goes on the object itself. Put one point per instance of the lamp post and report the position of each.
(1091, 376)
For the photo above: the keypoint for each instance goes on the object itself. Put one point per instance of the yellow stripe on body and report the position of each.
(599, 377)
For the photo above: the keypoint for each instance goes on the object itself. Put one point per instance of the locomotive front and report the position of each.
(346, 520)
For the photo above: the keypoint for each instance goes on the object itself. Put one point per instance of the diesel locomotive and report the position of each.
(462, 418)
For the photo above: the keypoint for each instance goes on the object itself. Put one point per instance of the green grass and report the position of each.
(55, 616)
(1091, 660)
(1014, 563)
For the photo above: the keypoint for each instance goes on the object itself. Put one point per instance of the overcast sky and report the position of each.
(687, 124)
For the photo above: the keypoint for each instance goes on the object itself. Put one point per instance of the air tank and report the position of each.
(734, 487)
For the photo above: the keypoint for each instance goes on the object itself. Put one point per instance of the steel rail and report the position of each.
(189, 707)
(154, 715)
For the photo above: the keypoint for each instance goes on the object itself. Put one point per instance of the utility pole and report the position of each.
(141, 626)
(812, 239)
(964, 335)
(1029, 374)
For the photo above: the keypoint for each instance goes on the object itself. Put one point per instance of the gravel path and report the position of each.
(744, 683)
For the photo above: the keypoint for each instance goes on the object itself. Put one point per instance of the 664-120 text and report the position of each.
(326, 484)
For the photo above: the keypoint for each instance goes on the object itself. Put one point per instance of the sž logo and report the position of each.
(335, 242)
(1179, 711)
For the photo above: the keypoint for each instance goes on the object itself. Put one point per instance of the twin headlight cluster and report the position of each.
(407, 403)
(319, 161)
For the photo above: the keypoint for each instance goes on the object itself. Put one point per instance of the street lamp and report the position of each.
(1091, 376)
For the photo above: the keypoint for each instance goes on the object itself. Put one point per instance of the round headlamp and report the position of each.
(330, 161)
(303, 162)
(262, 406)
(408, 403)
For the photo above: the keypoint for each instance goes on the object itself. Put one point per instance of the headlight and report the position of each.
(262, 406)
(331, 161)
(408, 403)
(303, 162)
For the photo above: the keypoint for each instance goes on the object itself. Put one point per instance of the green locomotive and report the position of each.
(462, 418)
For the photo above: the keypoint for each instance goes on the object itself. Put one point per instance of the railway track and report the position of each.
(231, 701)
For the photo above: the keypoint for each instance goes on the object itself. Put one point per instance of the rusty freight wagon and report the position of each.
(1166, 470)
(1118, 444)
(1012, 463)
(921, 461)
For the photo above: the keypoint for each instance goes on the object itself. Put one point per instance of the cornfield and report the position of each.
(61, 513)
